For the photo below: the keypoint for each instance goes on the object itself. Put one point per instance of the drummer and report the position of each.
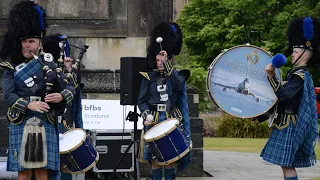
(295, 128)
(163, 92)
(73, 116)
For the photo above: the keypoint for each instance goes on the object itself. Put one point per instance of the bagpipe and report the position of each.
(73, 111)
(65, 52)
(55, 81)
(74, 73)
(57, 76)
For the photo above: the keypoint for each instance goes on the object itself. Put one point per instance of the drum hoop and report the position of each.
(177, 157)
(87, 168)
(161, 135)
(78, 145)
(209, 84)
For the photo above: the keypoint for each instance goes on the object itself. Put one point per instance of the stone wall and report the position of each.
(111, 28)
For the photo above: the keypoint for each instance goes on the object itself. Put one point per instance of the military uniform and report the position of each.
(73, 116)
(150, 102)
(295, 127)
(280, 143)
(33, 136)
(18, 96)
(163, 92)
(288, 96)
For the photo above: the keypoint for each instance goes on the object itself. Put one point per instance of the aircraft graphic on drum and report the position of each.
(242, 88)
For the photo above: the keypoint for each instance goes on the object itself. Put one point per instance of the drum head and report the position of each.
(238, 84)
(71, 139)
(159, 130)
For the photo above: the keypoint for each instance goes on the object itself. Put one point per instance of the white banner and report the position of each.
(107, 115)
(4, 174)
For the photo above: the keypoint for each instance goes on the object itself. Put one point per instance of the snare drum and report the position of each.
(168, 142)
(237, 82)
(77, 155)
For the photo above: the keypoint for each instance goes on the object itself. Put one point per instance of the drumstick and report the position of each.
(149, 118)
(278, 60)
(159, 40)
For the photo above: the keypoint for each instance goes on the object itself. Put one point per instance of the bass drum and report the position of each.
(237, 82)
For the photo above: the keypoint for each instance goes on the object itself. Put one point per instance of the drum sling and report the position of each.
(162, 89)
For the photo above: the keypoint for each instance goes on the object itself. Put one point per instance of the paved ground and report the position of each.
(247, 166)
(243, 166)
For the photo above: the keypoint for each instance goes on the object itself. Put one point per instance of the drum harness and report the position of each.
(162, 89)
(164, 97)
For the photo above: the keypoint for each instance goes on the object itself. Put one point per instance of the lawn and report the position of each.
(240, 145)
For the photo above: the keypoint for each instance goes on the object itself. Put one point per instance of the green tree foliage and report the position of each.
(234, 127)
(197, 78)
(209, 26)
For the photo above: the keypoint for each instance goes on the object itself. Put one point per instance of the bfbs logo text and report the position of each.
(91, 108)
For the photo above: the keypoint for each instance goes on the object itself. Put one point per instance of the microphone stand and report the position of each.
(132, 116)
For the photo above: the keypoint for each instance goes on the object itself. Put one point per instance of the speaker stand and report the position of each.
(132, 116)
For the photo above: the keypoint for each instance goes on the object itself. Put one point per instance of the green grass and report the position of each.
(234, 144)
(240, 145)
(316, 178)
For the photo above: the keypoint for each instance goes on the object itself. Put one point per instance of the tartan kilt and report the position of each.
(15, 139)
(278, 149)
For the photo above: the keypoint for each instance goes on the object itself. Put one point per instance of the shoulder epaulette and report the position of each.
(6, 65)
(300, 73)
(145, 74)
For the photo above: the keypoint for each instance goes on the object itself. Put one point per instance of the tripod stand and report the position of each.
(132, 116)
